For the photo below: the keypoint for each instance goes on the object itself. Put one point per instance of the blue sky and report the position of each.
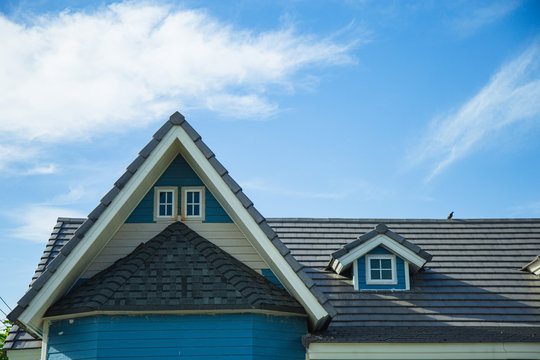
(318, 109)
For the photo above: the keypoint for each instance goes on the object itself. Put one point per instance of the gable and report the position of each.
(175, 137)
(142, 226)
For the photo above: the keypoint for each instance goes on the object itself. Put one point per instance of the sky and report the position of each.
(371, 109)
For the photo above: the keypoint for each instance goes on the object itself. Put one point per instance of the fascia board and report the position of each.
(249, 227)
(100, 233)
(347, 259)
(327, 351)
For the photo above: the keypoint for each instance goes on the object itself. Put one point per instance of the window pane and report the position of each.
(189, 210)
(375, 275)
(386, 274)
(189, 197)
(386, 264)
(161, 210)
(196, 210)
(375, 263)
(169, 210)
(162, 196)
(196, 197)
(169, 197)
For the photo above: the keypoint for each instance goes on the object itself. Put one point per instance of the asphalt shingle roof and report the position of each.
(473, 280)
(176, 270)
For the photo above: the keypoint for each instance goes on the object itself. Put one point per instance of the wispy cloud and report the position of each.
(482, 16)
(265, 186)
(512, 95)
(35, 221)
(77, 74)
(531, 209)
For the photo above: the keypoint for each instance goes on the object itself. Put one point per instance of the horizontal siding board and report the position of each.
(238, 336)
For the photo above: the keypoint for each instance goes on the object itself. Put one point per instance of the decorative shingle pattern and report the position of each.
(472, 281)
(176, 270)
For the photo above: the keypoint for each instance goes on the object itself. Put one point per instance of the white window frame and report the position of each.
(371, 281)
(183, 212)
(157, 191)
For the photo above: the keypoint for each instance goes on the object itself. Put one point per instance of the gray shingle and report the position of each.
(472, 280)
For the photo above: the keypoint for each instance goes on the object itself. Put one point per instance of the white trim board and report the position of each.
(346, 260)
(175, 142)
(337, 351)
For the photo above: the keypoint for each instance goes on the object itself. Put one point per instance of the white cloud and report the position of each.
(36, 221)
(483, 16)
(512, 95)
(75, 75)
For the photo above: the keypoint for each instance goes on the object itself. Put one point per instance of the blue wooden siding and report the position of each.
(179, 174)
(400, 272)
(201, 337)
(267, 273)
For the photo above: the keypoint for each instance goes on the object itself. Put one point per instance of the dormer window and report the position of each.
(381, 269)
(165, 207)
(380, 260)
(193, 203)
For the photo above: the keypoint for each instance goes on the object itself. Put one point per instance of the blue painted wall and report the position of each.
(179, 174)
(269, 274)
(201, 337)
(400, 272)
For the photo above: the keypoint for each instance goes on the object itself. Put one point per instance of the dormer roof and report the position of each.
(342, 259)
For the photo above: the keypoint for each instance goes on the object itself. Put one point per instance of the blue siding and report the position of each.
(179, 174)
(268, 274)
(201, 337)
(400, 272)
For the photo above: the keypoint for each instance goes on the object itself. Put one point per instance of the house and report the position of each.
(176, 262)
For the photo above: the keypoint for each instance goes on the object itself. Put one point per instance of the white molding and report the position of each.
(369, 280)
(44, 340)
(337, 351)
(157, 190)
(407, 275)
(398, 249)
(356, 281)
(202, 205)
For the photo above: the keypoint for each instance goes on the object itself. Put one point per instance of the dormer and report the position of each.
(533, 267)
(379, 260)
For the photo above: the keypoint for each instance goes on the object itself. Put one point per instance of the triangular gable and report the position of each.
(342, 259)
(174, 137)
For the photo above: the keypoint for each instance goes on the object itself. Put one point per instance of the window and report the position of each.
(193, 203)
(165, 207)
(381, 269)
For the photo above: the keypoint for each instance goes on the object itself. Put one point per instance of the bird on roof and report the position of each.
(450, 215)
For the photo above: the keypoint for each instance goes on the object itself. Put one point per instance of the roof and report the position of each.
(62, 232)
(175, 119)
(471, 291)
(176, 270)
(472, 282)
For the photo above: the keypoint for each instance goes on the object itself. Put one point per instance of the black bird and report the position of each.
(450, 215)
